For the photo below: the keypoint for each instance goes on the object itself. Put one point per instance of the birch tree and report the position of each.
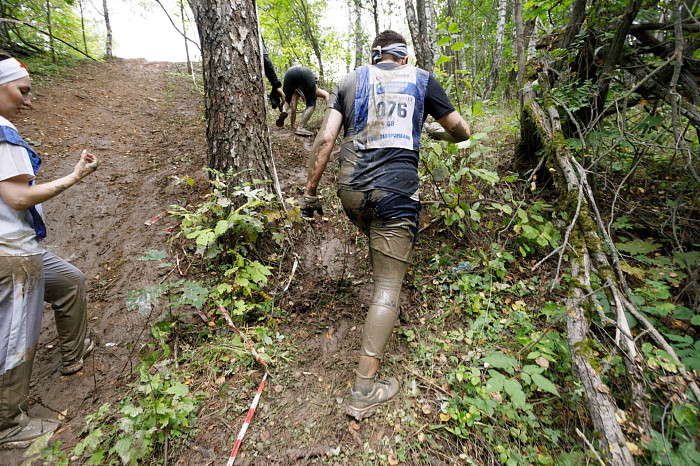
(497, 61)
(421, 24)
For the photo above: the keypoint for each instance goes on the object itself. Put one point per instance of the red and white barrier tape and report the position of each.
(246, 423)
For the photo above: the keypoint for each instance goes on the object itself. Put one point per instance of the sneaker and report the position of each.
(280, 120)
(30, 429)
(303, 132)
(361, 406)
(75, 366)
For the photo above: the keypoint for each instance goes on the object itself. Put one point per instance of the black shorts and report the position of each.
(302, 78)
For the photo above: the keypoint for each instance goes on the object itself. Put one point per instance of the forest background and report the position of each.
(558, 278)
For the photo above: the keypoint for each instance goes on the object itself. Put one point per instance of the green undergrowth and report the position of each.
(486, 372)
(194, 349)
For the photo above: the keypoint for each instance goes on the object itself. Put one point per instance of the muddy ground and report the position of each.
(144, 121)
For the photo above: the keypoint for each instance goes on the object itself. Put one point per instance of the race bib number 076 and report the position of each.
(390, 121)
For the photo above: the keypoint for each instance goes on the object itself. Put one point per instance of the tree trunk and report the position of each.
(414, 29)
(184, 33)
(601, 406)
(494, 73)
(108, 51)
(82, 26)
(421, 25)
(375, 16)
(237, 133)
(358, 33)
(519, 40)
(351, 36)
(48, 23)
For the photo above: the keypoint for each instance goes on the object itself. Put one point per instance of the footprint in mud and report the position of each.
(333, 336)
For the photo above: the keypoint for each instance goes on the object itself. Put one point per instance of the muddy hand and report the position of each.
(88, 163)
(309, 205)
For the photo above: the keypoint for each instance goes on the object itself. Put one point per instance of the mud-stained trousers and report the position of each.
(391, 242)
(25, 283)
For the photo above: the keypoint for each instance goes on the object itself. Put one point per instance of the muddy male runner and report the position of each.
(299, 79)
(382, 107)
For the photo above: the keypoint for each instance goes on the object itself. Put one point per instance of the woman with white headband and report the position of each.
(28, 274)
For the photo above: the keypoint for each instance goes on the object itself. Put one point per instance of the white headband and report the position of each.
(398, 50)
(11, 70)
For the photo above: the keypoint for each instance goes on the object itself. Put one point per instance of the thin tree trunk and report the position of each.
(421, 25)
(519, 40)
(108, 50)
(48, 21)
(82, 25)
(414, 29)
(375, 16)
(234, 101)
(351, 35)
(305, 21)
(358, 33)
(184, 33)
(494, 73)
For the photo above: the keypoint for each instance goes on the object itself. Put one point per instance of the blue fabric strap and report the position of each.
(8, 134)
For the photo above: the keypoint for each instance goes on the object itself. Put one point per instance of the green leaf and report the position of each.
(695, 320)
(453, 28)
(205, 237)
(495, 382)
(444, 41)
(515, 390)
(683, 313)
(124, 449)
(131, 410)
(544, 384)
(437, 148)
(178, 389)
(638, 246)
(194, 294)
(501, 360)
(153, 255)
(221, 227)
(442, 59)
(457, 46)
(529, 232)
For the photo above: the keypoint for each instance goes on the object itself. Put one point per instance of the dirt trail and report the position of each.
(141, 123)
(144, 123)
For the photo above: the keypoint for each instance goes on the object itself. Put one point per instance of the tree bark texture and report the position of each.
(494, 73)
(601, 406)
(108, 45)
(237, 132)
(358, 33)
(519, 40)
(421, 24)
(48, 23)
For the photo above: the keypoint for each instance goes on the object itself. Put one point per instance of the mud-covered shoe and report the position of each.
(280, 119)
(361, 406)
(29, 429)
(76, 365)
(303, 132)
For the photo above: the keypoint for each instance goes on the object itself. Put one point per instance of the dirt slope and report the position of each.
(144, 122)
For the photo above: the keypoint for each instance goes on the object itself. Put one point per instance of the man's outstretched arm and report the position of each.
(453, 128)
